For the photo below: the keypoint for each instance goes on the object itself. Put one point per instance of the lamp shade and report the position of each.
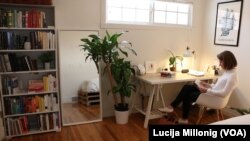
(189, 57)
(187, 53)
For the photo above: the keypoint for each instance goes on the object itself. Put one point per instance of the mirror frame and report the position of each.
(60, 90)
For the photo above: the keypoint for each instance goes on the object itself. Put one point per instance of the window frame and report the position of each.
(151, 23)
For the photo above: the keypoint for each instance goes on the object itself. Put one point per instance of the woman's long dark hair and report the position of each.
(228, 59)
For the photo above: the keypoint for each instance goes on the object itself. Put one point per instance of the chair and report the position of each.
(213, 102)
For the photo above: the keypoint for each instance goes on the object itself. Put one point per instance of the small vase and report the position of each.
(27, 45)
(47, 65)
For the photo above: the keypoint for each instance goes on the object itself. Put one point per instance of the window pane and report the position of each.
(142, 16)
(183, 8)
(183, 19)
(128, 15)
(172, 7)
(140, 12)
(114, 3)
(171, 17)
(159, 17)
(142, 4)
(159, 5)
(129, 3)
(114, 14)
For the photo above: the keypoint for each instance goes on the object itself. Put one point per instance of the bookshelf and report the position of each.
(29, 93)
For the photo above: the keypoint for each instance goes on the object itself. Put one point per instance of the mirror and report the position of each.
(79, 80)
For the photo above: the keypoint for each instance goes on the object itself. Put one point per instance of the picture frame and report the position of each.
(150, 66)
(228, 21)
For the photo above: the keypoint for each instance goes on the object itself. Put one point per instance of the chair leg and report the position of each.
(218, 114)
(221, 114)
(201, 111)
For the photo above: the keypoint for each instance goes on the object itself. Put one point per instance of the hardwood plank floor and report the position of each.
(75, 112)
(108, 130)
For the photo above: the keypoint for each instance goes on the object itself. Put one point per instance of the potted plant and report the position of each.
(173, 59)
(119, 71)
(46, 58)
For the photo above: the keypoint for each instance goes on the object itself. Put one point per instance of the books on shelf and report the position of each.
(35, 86)
(11, 85)
(32, 123)
(31, 104)
(15, 41)
(47, 84)
(14, 18)
(9, 62)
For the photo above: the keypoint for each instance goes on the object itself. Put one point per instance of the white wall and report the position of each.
(75, 72)
(150, 44)
(241, 97)
(77, 14)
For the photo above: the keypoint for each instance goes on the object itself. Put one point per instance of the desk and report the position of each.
(239, 120)
(156, 81)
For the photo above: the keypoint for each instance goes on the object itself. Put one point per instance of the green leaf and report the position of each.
(109, 50)
(171, 53)
(171, 60)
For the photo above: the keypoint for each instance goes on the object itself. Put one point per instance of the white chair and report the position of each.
(212, 102)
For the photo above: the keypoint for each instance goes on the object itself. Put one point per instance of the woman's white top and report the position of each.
(225, 84)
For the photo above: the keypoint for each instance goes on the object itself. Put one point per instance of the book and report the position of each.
(35, 86)
(27, 60)
(7, 62)
(196, 73)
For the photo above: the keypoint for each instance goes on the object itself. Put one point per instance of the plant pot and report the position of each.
(47, 65)
(172, 68)
(121, 117)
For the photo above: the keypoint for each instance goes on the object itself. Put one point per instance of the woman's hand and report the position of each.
(204, 84)
(202, 89)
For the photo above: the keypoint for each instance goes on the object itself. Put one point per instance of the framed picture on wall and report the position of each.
(228, 20)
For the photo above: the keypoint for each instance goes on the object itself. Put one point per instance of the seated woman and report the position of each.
(224, 85)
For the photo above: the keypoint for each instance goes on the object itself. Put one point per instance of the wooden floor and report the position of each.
(108, 130)
(75, 112)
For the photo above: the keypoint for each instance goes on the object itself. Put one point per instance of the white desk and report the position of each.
(239, 120)
(156, 81)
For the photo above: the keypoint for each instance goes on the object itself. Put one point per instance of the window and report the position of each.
(128, 11)
(149, 12)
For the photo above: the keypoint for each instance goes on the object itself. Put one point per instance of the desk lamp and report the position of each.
(188, 54)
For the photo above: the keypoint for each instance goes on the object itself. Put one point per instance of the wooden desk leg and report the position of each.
(134, 98)
(162, 98)
(148, 112)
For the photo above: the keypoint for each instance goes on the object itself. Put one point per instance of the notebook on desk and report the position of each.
(196, 73)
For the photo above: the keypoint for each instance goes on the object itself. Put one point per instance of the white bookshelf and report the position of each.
(29, 93)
